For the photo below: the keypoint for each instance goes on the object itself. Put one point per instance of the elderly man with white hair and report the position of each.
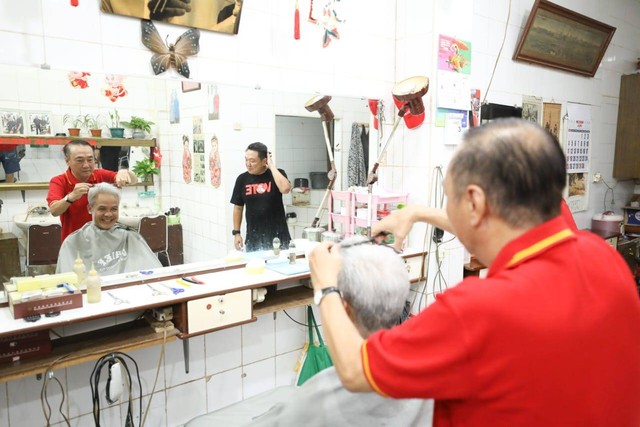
(374, 286)
(111, 247)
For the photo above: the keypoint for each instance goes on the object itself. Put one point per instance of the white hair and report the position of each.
(374, 282)
(102, 188)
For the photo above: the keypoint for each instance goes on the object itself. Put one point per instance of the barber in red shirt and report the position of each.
(551, 337)
(67, 195)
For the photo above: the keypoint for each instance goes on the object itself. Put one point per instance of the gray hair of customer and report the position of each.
(374, 282)
(102, 188)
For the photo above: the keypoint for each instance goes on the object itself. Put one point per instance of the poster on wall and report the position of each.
(577, 150)
(551, 118)
(454, 68)
(186, 160)
(215, 168)
(532, 109)
(198, 151)
(213, 102)
(213, 15)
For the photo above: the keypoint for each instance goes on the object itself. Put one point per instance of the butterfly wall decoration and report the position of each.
(170, 55)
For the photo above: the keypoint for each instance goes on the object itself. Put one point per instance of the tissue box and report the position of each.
(43, 304)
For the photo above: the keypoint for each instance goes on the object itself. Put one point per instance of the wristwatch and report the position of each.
(235, 232)
(319, 295)
(68, 200)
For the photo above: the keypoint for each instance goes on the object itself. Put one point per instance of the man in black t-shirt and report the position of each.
(260, 189)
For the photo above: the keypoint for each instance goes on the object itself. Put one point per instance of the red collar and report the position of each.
(532, 243)
(72, 180)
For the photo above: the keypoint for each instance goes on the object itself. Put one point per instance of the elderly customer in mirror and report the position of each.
(260, 189)
(67, 195)
(553, 328)
(373, 284)
(112, 248)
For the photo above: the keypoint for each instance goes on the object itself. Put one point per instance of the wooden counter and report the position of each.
(222, 282)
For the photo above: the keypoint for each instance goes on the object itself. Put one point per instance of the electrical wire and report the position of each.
(495, 65)
(110, 359)
(45, 401)
(155, 381)
(295, 321)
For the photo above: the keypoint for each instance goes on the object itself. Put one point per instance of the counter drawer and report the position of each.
(217, 311)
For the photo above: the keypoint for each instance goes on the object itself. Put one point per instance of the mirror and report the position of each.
(193, 123)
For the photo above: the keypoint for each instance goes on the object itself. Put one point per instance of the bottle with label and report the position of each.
(80, 270)
(94, 287)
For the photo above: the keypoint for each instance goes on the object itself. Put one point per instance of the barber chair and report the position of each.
(153, 230)
(43, 246)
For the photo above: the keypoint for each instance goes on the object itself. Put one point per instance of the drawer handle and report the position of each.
(221, 300)
(221, 311)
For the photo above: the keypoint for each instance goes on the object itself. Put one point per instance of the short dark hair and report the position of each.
(260, 148)
(66, 149)
(518, 164)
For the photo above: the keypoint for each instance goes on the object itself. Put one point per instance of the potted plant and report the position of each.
(144, 168)
(75, 123)
(93, 124)
(115, 129)
(139, 126)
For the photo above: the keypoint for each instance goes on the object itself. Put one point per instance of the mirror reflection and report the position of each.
(202, 130)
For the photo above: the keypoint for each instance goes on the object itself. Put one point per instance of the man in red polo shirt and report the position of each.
(551, 337)
(67, 195)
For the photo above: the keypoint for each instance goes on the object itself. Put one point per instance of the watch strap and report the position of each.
(319, 295)
(235, 232)
(68, 200)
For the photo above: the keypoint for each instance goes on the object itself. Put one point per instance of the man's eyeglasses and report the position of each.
(371, 241)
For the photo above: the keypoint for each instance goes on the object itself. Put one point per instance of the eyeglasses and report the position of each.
(371, 241)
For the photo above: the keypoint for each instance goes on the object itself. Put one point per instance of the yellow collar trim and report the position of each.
(542, 244)
(367, 370)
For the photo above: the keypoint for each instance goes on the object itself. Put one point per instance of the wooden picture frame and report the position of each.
(190, 86)
(559, 38)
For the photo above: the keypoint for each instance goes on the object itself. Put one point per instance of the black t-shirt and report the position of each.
(264, 210)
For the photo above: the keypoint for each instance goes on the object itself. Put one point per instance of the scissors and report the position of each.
(117, 300)
(175, 291)
(193, 279)
(154, 291)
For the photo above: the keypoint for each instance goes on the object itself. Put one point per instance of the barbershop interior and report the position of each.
(362, 104)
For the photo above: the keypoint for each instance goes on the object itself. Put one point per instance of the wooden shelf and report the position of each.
(45, 185)
(281, 300)
(62, 140)
(87, 347)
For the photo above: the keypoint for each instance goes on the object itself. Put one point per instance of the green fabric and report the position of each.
(317, 357)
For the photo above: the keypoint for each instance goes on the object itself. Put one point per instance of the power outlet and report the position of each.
(597, 177)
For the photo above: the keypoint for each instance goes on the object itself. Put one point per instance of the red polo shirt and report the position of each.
(77, 214)
(550, 338)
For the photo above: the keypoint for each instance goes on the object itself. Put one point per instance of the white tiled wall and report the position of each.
(381, 42)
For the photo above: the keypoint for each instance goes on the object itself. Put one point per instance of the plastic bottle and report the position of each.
(94, 287)
(292, 253)
(80, 270)
(276, 246)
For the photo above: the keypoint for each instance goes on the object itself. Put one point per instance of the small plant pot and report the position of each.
(117, 132)
(138, 134)
(74, 131)
(96, 132)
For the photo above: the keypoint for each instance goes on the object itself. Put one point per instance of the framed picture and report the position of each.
(557, 37)
(39, 123)
(12, 122)
(213, 15)
(190, 86)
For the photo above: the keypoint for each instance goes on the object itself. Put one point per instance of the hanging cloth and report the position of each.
(356, 168)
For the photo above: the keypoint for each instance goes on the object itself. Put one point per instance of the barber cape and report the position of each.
(114, 251)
